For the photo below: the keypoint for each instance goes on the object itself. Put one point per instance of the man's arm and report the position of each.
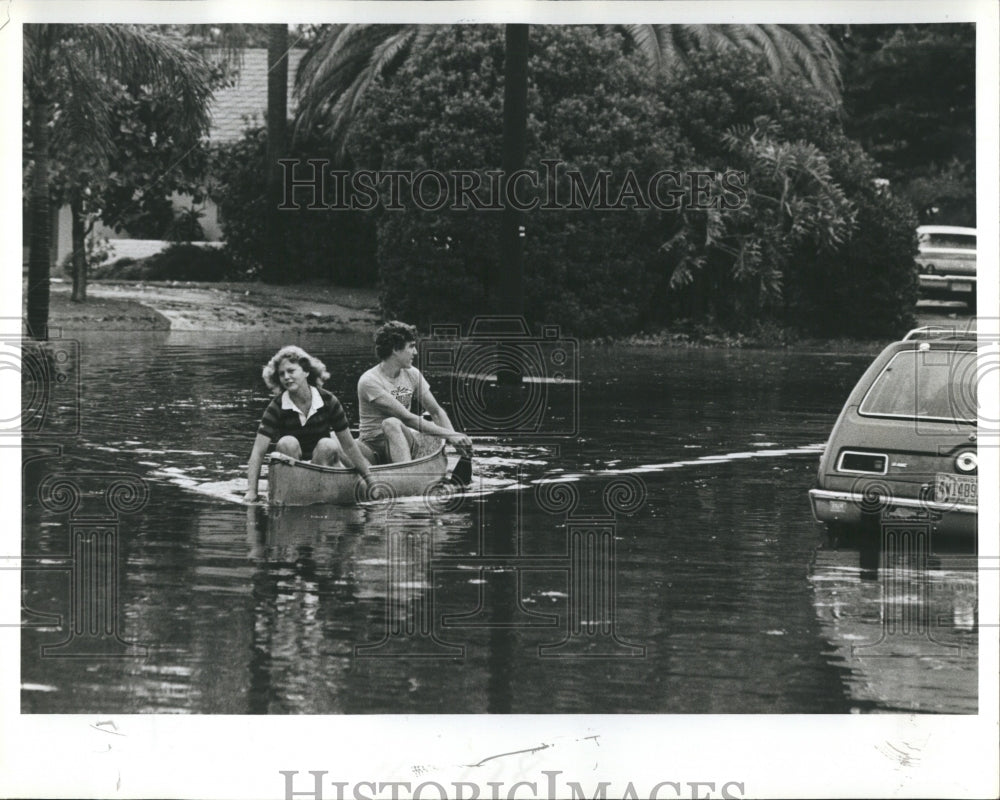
(391, 407)
(430, 404)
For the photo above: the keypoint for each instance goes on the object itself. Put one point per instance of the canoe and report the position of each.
(300, 483)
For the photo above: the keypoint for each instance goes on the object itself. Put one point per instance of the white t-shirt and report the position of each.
(373, 384)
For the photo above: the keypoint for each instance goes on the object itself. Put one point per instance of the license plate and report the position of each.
(961, 287)
(962, 489)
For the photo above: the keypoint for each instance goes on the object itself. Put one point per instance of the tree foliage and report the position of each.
(70, 76)
(344, 62)
(336, 246)
(813, 212)
(594, 105)
(589, 105)
(910, 99)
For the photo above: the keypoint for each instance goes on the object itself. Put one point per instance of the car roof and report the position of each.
(940, 333)
(946, 229)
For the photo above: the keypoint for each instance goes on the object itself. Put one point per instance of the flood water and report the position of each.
(660, 559)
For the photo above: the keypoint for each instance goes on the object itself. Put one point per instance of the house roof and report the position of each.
(244, 104)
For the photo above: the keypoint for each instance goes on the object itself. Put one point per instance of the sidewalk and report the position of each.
(213, 307)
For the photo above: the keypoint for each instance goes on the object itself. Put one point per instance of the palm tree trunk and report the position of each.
(79, 249)
(277, 117)
(515, 120)
(515, 123)
(38, 238)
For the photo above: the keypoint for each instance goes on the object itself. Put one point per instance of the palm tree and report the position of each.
(66, 72)
(805, 50)
(344, 60)
(342, 64)
(277, 122)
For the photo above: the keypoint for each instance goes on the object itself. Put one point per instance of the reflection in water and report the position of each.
(906, 625)
(328, 578)
(698, 600)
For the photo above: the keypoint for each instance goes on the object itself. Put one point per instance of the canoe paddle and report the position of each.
(462, 474)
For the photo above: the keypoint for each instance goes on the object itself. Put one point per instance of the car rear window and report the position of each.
(925, 384)
(952, 240)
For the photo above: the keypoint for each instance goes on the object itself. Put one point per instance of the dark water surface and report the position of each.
(663, 560)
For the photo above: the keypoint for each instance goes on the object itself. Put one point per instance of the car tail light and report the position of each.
(854, 461)
(967, 462)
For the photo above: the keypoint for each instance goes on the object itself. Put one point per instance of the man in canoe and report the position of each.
(388, 427)
(301, 417)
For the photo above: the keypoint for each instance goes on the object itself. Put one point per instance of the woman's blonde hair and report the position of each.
(310, 364)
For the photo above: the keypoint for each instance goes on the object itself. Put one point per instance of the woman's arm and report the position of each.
(253, 467)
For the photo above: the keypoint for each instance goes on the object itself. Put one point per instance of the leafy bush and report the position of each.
(589, 105)
(869, 286)
(910, 96)
(179, 262)
(186, 226)
(808, 268)
(814, 245)
(98, 248)
(337, 246)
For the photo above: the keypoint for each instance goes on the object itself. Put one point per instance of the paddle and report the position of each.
(462, 474)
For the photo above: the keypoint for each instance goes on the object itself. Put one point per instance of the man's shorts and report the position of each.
(375, 449)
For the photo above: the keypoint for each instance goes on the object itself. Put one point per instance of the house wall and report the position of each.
(233, 109)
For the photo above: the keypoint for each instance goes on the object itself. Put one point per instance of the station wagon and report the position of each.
(904, 445)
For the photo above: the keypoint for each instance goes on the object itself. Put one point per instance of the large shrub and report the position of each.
(592, 107)
(868, 287)
(178, 262)
(334, 246)
(819, 245)
(814, 244)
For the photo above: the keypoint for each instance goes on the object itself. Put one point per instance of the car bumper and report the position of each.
(948, 284)
(851, 508)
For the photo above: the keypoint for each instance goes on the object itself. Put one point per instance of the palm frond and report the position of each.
(343, 63)
(140, 54)
(805, 50)
(336, 73)
(645, 39)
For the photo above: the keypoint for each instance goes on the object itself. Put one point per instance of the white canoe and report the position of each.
(301, 483)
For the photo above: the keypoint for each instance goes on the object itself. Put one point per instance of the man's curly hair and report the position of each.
(393, 336)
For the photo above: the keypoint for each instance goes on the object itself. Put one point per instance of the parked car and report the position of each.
(904, 446)
(946, 263)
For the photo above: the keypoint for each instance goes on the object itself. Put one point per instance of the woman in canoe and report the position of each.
(301, 417)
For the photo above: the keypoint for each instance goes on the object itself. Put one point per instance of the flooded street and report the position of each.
(661, 559)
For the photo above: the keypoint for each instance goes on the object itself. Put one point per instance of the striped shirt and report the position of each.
(282, 418)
